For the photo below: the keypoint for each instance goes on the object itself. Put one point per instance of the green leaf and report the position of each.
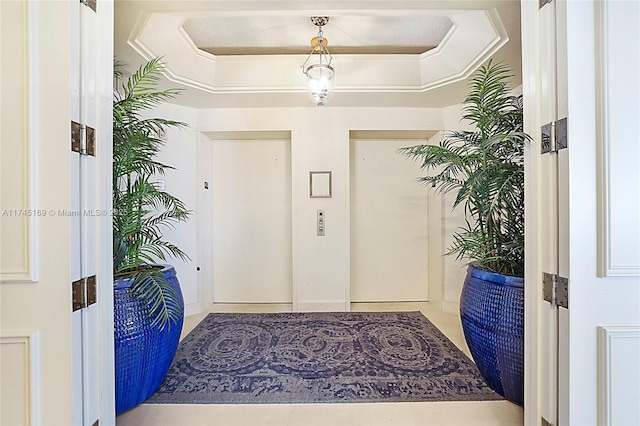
(155, 293)
(485, 170)
(141, 210)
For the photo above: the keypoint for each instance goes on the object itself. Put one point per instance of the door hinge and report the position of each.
(541, 3)
(555, 290)
(83, 139)
(91, 4)
(84, 292)
(545, 422)
(554, 136)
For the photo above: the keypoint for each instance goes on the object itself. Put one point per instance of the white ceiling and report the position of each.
(357, 34)
(247, 53)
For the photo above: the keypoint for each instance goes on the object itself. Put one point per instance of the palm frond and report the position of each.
(485, 169)
(141, 210)
(161, 300)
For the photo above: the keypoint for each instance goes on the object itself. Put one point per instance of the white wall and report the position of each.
(320, 140)
(204, 224)
(454, 270)
(180, 152)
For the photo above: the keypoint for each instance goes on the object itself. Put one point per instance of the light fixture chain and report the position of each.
(319, 21)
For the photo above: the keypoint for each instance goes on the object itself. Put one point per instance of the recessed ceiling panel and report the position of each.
(471, 38)
(273, 35)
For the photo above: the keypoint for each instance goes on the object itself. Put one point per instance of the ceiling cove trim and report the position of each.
(475, 36)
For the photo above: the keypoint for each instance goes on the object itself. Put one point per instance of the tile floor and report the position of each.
(496, 413)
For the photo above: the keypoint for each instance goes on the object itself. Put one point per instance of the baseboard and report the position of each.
(437, 304)
(450, 307)
(320, 307)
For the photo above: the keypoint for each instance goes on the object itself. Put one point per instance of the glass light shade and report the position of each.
(320, 83)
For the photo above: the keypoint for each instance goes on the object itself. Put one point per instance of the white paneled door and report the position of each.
(554, 211)
(547, 162)
(84, 169)
(581, 63)
(57, 326)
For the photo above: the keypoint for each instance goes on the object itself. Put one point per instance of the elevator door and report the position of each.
(252, 221)
(389, 223)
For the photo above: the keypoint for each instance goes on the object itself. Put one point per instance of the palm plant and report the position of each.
(141, 209)
(485, 168)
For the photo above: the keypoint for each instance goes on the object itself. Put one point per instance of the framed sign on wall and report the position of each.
(320, 184)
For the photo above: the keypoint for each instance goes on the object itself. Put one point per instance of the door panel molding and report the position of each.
(21, 372)
(617, 111)
(19, 213)
(618, 371)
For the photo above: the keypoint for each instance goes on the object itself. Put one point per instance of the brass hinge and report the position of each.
(554, 136)
(84, 292)
(555, 290)
(83, 139)
(92, 4)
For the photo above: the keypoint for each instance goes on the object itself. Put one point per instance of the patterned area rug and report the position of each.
(319, 358)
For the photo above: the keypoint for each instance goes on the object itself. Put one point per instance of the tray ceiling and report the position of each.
(248, 53)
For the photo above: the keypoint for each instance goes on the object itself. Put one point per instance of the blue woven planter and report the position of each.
(143, 353)
(492, 312)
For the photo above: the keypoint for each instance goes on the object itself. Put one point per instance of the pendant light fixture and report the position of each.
(319, 73)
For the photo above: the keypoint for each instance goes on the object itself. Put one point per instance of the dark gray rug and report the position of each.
(319, 358)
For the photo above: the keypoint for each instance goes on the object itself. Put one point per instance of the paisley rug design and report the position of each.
(319, 358)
